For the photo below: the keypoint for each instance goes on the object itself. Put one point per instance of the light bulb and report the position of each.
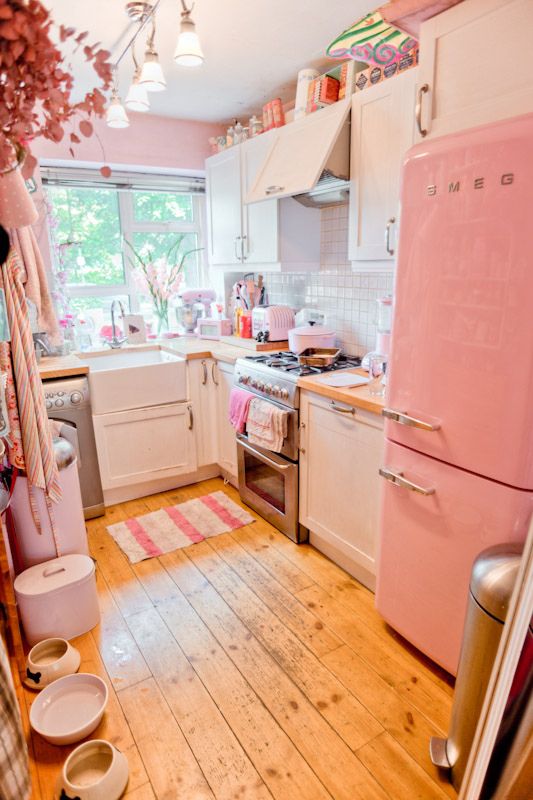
(137, 97)
(188, 50)
(116, 116)
(152, 77)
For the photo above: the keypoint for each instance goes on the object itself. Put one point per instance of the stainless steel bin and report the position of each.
(491, 585)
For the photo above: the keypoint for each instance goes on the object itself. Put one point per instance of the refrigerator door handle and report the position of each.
(405, 419)
(398, 480)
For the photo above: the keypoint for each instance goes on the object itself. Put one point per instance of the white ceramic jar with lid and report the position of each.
(310, 335)
(58, 598)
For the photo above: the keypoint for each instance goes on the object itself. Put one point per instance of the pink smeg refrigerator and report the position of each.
(458, 462)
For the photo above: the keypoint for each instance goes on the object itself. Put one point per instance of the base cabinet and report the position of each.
(203, 396)
(339, 482)
(147, 444)
(227, 443)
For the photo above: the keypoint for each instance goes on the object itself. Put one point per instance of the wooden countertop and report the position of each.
(187, 347)
(61, 367)
(359, 396)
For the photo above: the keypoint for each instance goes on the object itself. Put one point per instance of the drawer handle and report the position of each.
(335, 407)
(398, 480)
(424, 89)
(191, 417)
(204, 376)
(274, 189)
(388, 248)
(405, 419)
(213, 373)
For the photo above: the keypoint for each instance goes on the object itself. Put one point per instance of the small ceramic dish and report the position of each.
(49, 660)
(95, 770)
(70, 708)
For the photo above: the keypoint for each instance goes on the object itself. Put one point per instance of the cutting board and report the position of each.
(251, 344)
(343, 380)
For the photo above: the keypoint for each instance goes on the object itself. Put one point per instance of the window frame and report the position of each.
(128, 225)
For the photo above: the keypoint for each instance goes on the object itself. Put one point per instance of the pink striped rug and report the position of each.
(178, 526)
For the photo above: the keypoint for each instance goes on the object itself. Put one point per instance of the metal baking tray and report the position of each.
(319, 356)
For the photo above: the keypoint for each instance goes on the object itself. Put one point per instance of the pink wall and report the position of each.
(150, 141)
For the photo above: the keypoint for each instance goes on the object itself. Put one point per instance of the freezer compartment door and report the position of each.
(462, 342)
(428, 543)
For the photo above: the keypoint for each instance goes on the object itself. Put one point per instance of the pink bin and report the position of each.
(35, 547)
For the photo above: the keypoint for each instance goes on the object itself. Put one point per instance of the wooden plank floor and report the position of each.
(250, 668)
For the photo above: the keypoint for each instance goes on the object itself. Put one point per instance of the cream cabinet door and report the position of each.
(203, 395)
(340, 484)
(298, 154)
(475, 62)
(145, 444)
(223, 190)
(260, 220)
(382, 131)
(227, 443)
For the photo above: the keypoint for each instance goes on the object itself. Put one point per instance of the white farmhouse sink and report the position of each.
(123, 379)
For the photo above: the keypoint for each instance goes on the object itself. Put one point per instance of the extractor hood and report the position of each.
(330, 190)
(308, 159)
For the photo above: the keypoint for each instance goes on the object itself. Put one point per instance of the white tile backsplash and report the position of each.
(348, 299)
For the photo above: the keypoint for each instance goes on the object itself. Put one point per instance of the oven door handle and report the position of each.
(261, 456)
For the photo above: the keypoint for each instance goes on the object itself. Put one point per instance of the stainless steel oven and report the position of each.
(268, 483)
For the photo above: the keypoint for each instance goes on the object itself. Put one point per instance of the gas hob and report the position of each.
(275, 375)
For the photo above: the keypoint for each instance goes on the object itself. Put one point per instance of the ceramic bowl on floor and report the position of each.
(95, 770)
(49, 660)
(70, 708)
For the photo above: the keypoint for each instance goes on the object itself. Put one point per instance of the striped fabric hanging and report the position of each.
(40, 465)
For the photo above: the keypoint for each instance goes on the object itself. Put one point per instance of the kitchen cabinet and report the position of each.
(203, 396)
(272, 235)
(299, 154)
(382, 131)
(223, 187)
(227, 444)
(146, 444)
(341, 453)
(462, 82)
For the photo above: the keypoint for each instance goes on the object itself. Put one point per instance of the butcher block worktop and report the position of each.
(188, 348)
(358, 397)
(61, 367)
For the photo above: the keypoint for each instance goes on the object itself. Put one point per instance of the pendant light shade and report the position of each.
(137, 97)
(188, 50)
(116, 116)
(152, 77)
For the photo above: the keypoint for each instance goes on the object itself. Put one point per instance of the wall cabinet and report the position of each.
(227, 443)
(147, 444)
(382, 131)
(299, 153)
(339, 482)
(272, 235)
(466, 84)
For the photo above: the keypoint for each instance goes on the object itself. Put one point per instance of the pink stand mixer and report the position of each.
(195, 304)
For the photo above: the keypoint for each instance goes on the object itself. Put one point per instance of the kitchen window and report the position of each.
(92, 220)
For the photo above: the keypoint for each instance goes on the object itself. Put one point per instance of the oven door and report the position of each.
(268, 483)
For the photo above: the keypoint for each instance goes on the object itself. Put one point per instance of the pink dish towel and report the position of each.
(266, 425)
(239, 403)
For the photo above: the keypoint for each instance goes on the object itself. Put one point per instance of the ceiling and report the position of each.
(253, 49)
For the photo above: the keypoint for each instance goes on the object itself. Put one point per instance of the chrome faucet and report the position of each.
(115, 342)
